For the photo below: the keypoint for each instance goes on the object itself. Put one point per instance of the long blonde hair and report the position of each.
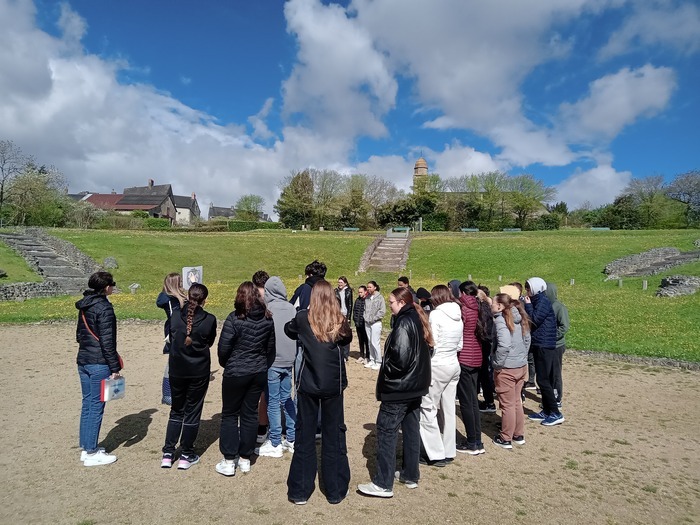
(327, 322)
(172, 286)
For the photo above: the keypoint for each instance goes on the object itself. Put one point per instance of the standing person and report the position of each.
(544, 342)
(375, 309)
(470, 357)
(531, 374)
(511, 347)
(403, 380)
(562, 315)
(403, 282)
(447, 329)
(322, 330)
(358, 315)
(246, 350)
(315, 271)
(172, 298)
(485, 333)
(424, 300)
(344, 296)
(97, 359)
(259, 279)
(192, 332)
(279, 375)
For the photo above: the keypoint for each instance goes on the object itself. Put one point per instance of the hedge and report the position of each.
(242, 226)
(153, 223)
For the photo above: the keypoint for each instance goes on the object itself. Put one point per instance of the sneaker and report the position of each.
(227, 467)
(99, 458)
(167, 461)
(244, 464)
(318, 436)
(370, 489)
(298, 501)
(269, 450)
(432, 463)
(480, 448)
(409, 484)
(376, 366)
(489, 408)
(553, 419)
(288, 446)
(465, 448)
(519, 440)
(369, 364)
(530, 386)
(187, 461)
(498, 440)
(539, 416)
(84, 455)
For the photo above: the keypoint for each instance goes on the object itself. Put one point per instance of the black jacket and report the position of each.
(544, 321)
(247, 346)
(303, 292)
(100, 348)
(169, 304)
(405, 372)
(348, 300)
(193, 360)
(358, 311)
(323, 370)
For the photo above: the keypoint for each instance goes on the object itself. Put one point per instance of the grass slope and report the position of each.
(604, 316)
(16, 268)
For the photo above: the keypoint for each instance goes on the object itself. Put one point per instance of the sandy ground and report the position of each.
(628, 452)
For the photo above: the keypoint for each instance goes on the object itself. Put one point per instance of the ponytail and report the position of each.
(197, 294)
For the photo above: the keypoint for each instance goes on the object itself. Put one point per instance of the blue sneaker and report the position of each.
(553, 419)
(539, 416)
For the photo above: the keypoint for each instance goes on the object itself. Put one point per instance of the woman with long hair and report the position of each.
(509, 362)
(97, 360)
(343, 293)
(192, 332)
(322, 331)
(403, 380)
(447, 328)
(170, 299)
(246, 351)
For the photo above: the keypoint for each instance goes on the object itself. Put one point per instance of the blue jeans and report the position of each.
(91, 377)
(279, 396)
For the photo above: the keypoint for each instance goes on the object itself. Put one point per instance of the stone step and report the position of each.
(48, 255)
(70, 285)
(61, 271)
(386, 259)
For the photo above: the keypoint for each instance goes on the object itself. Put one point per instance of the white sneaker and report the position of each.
(84, 454)
(370, 489)
(376, 366)
(369, 364)
(99, 458)
(269, 450)
(227, 467)
(244, 464)
(288, 445)
(409, 484)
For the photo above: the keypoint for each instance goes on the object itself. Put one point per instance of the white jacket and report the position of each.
(447, 327)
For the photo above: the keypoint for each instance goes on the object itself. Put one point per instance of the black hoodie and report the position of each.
(98, 340)
(188, 361)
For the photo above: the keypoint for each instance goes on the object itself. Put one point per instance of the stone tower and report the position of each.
(420, 175)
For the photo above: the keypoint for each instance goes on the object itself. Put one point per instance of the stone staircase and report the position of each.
(389, 255)
(46, 262)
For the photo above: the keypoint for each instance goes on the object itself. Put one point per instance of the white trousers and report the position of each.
(374, 336)
(442, 393)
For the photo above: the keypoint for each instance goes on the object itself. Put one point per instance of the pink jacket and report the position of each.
(470, 355)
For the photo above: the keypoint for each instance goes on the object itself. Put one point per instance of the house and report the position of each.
(186, 209)
(157, 200)
(232, 213)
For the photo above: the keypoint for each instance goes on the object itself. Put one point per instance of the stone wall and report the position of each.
(632, 263)
(364, 260)
(678, 285)
(22, 291)
(67, 250)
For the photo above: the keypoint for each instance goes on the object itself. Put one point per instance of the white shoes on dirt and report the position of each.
(98, 458)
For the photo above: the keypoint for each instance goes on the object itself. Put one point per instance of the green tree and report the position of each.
(12, 163)
(249, 207)
(527, 196)
(685, 188)
(353, 213)
(38, 197)
(82, 214)
(295, 204)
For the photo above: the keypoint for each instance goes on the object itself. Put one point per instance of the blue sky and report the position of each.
(226, 98)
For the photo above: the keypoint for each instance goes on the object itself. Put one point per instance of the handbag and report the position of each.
(112, 389)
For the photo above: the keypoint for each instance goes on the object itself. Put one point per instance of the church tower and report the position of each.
(420, 175)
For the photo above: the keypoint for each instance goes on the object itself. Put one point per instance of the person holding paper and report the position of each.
(97, 360)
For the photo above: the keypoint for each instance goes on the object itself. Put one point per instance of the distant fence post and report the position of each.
(644, 284)
(571, 282)
(619, 283)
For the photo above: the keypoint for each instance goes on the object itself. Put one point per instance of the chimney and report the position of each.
(113, 192)
(150, 183)
(194, 197)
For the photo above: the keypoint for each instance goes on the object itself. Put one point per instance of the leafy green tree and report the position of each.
(353, 214)
(82, 214)
(38, 197)
(527, 196)
(622, 214)
(295, 204)
(249, 207)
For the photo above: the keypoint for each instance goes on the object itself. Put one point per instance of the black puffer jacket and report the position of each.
(247, 346)
(100, 349)
(170, 304)
(188, 361)
(405, 372)
(323, 371)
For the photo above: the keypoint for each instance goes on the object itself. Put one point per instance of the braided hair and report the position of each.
(196, 295)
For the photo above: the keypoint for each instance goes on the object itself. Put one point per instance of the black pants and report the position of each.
(486, 375)
(240, 396)
(185, 413)
(546, 364)
(531, 371)
(558, 382)
(467, 393)
(335, 468)
(362, 340)
(391, 416)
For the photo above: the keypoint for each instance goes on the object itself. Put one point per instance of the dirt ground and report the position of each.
(628, 452)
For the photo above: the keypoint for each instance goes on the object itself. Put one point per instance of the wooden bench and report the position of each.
(600, 228)
(512, 229)
(351, 229)
(401, 228)
(465, 230)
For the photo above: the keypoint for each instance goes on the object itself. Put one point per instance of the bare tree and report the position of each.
(12, 163)
(685, 188)
(378, 192)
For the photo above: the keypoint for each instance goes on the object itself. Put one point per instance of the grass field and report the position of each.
(604, 316)
(18, 271)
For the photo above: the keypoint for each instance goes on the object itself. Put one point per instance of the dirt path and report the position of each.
(628, 453)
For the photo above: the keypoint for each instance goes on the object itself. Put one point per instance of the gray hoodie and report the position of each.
(561, 313)
(375, 308)
(511, 350)
(282, 312)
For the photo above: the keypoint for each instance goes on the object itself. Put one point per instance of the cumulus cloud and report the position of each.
(257, 121)
(598, 186)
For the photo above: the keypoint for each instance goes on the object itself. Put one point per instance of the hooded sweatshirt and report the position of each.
(282, 313)
(447, 327)
(510, 349)
(560, 312)
(193, 360)
(544, 322)
(97, 339)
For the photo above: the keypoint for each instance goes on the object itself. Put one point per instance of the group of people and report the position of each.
(288, 357)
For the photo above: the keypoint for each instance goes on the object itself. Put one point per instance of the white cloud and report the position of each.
(654, 24)
(260, 129)
(185, 81)
(617, 100)
(599, 185)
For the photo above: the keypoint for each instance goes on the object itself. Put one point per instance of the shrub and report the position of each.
(140, 214)
(116, 221)
(153, 223)
(435, 222)
(243, 226)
